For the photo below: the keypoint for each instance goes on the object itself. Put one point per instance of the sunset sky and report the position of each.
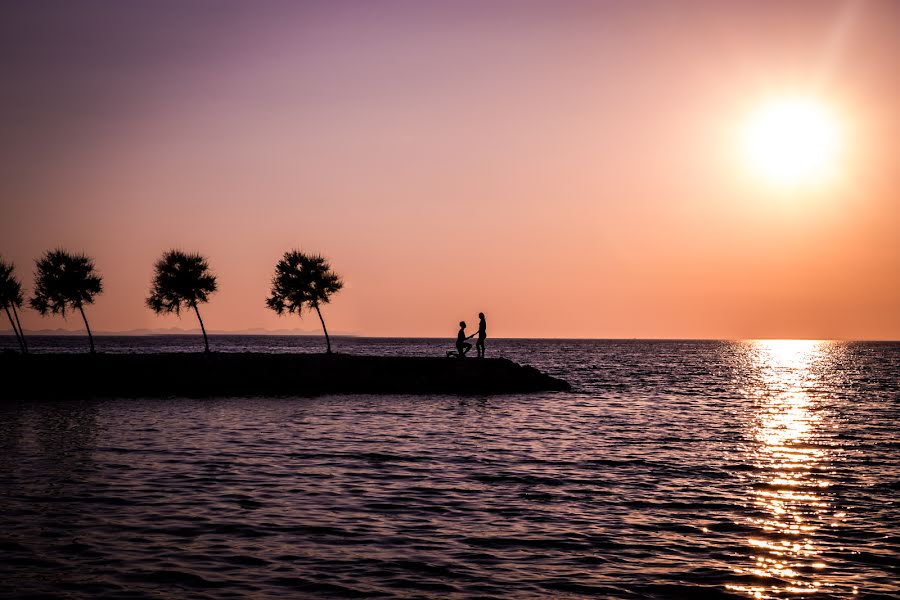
(572, 169)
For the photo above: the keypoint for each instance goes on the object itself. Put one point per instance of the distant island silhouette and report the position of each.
(182, 331)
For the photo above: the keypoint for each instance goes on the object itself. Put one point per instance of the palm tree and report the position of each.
(11, 298)
(303, 280)
(181, 281)
(64, 280)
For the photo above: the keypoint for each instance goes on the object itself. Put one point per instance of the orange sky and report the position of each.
(570, 169)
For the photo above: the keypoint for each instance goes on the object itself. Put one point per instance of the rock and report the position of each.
(255, 374)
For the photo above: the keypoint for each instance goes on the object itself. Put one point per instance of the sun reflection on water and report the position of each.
(791, 466)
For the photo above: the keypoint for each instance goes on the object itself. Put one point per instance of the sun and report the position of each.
(792, 140)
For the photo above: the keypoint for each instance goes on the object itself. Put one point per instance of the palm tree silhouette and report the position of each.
(11, 298)
(303, 280)
(64, 280)
(181, 280)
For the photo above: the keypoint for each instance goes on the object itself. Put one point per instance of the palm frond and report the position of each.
(302, 281)
(181, 281)
(10, 286)
(64, 280)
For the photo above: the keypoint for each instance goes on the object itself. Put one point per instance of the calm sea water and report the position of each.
(675, 469)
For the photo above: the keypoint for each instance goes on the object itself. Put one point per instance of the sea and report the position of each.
(673, 469)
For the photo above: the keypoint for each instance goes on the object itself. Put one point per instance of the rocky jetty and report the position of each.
(255, 374)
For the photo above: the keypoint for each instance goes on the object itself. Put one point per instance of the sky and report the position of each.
(571, 169)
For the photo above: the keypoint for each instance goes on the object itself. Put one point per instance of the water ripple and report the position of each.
(675, 469)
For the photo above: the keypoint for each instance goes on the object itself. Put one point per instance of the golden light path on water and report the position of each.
(792, 464)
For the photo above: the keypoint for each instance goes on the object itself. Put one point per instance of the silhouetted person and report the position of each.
(482, 333)
(462, 346)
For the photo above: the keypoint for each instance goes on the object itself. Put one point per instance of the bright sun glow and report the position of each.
(792, 141)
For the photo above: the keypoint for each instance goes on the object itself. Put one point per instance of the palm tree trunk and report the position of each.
(325, 329)
(88, 327)
(202, 328)
(16, 331)
(21, 331)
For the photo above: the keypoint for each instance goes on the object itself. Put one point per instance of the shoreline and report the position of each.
(249, 374)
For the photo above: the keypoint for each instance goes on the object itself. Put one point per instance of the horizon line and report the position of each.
(301, 333)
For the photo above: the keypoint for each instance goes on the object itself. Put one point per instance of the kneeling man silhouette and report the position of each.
(462, 346)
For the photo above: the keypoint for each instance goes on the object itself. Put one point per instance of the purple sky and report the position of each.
(566, 167)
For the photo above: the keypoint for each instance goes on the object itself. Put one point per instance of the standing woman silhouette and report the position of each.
(482, 333)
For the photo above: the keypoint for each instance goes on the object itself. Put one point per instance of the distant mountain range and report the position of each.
(177, 331)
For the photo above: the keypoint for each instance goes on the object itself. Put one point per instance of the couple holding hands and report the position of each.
(462, 346)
